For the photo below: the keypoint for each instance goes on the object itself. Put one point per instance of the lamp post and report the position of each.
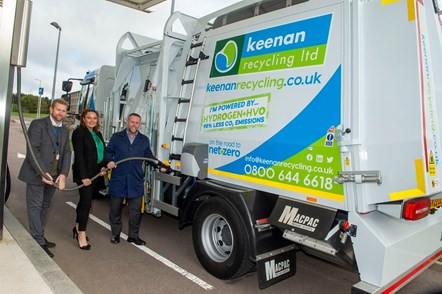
(172, 7)
(39, 98)
(55, 25)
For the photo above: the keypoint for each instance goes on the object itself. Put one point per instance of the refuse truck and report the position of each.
(95, 88)
(297, 125)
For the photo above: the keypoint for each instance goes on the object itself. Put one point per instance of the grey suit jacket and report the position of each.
(43, 141)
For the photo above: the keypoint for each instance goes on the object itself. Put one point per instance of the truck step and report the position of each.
(180, 119)
(177, 138)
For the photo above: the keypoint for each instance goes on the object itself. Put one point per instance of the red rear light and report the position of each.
(262, 221)
(416, 208)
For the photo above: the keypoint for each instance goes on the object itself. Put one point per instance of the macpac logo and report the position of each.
(291, 217)
(274, 269)
(226, 58)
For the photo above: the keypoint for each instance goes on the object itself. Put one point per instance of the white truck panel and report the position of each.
(271, 124)
(385, 250)
(391, 141)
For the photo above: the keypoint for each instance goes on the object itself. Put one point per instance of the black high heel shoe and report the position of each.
(74, 233)
(75, 236)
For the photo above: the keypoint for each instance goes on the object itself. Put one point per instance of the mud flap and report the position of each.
(276, 266)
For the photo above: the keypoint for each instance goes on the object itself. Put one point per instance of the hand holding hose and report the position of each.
(61, 181)
(111, 165)
(47, 179)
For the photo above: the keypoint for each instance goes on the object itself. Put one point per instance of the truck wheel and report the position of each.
(7, 183)
(219, 239)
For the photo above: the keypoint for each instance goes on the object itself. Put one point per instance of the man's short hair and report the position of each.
(59, 101)
(134, 114)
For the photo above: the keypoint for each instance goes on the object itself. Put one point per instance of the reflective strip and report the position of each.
(413, 273)
(420, 190)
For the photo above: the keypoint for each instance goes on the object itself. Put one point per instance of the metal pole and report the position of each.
(172, 7)
(9, 10)
(39, 100)
(54, 24)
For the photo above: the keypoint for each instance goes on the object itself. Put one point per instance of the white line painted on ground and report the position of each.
(155, 255)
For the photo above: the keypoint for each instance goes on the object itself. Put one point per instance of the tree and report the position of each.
(29, 103)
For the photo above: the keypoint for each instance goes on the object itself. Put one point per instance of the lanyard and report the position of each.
(57, 137)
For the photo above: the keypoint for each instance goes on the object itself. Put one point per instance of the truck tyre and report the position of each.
(220, 241)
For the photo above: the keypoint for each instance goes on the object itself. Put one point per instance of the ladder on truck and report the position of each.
(187, 90)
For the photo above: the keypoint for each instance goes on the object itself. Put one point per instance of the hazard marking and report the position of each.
(432, 165)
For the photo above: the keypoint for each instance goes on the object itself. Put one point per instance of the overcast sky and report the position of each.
(89, 35)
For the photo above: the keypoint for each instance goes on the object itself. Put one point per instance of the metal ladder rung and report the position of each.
(203, 56)
(183, 100)
(174, 97)
(191, 61)
(194, 45)
(184, 82)
(174, 156)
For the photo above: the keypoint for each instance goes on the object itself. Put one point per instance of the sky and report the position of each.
(90, 30)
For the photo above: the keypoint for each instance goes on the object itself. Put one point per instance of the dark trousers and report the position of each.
(115, 208)
(84, 205)
(38, 201)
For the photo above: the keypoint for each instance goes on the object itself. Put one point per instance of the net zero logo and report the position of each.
(226, 58)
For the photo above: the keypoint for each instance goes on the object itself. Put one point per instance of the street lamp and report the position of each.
(55, 25)
(39, 98)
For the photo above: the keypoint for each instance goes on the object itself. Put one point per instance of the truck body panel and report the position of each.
(326, 114)
(254, 138)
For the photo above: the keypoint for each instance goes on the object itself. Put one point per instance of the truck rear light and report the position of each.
(262, 221)
(416, 209)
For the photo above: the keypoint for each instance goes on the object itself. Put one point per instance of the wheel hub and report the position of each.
(217, 238)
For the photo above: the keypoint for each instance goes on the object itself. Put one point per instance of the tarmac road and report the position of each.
(167, 264)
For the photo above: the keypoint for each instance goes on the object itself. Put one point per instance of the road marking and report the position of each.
(155, 255)
(20, 155)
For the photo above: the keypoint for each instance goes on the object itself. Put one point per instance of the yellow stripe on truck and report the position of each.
(309, 192)
(385, 2)
(411, 8)
(420, 190)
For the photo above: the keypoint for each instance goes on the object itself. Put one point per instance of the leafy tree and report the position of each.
(29, 103)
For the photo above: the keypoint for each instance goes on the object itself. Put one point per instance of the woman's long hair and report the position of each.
(83, 115)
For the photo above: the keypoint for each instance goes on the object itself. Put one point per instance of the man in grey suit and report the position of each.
(50, 142)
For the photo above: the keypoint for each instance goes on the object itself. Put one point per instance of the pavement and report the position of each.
(25, 267)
